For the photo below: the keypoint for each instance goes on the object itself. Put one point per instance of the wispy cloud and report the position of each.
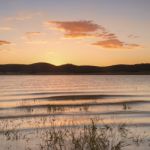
(23, 16)
(31, 35)
(132, 46)
(35, 38)
(107, 35)
(76, 29)
(111, 40)
(38, 42)
(84, 29)
(115, 43)
(133, 36)
(3, 42)
(3, 29)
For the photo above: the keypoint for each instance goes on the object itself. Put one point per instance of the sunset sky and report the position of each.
(81, 32)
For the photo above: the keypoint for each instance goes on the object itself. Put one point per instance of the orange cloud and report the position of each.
(110, 43)
(76, 29)
(131, 46)
(2, 42)
(115, 43)
(82, 29)
(106, 35)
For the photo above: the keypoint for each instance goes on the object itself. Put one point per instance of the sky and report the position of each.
(81, 32)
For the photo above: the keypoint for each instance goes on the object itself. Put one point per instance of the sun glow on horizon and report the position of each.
(60, 34)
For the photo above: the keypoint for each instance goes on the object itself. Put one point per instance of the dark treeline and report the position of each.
(45, 68)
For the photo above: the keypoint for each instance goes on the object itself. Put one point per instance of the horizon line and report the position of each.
(73, 64)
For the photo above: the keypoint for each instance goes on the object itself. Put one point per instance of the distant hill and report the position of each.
(45, 68)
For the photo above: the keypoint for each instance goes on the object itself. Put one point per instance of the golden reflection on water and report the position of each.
(26, 101)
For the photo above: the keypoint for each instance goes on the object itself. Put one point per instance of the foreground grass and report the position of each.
(87, 137)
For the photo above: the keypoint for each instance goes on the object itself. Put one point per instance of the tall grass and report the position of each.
(86, 137)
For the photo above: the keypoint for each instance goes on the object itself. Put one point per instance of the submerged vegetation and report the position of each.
(86, 137)
(90, 137)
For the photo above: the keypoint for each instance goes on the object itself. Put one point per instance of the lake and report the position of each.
(29, 105)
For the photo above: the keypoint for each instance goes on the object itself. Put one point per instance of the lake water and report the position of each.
(28, 103)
